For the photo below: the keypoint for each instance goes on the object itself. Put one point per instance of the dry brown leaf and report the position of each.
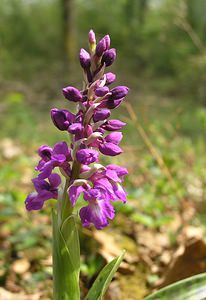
(187, 261)
(154, 241)
(111, 246)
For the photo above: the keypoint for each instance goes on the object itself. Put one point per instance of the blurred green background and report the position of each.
(161, 56)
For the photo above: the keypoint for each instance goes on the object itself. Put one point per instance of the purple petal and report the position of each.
(75, 128)
(46, 170)
(101, 115)
(106, 188)
(97, 214)
(92, 194)
(114, 137)
(113, 125)
(87, 156)
(109, 57)
(62, 148)
(103, 45)
(40, 184)
(100, 92)
(32, 202)
(84, 58)
(119, 170)
(91, 37)
(119, 192)
(110, 149)
(54, 180)
(45, 152)
(74, 192)
(111, 104)
(72, 94)
(61, 118)
(110, 78)
(119, 92)
(110, 174)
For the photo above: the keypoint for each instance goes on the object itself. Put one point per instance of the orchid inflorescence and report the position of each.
(79, 163)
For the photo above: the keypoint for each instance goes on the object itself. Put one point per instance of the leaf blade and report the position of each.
(104, 278)
(192, 288)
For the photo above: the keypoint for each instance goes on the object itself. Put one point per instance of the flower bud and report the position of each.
(109, 57)
(61, 118)
(87, 156)
(84, 58)
(101, 115)
(119, 92)
(111, 104)
(91, 37)
(101, 91)
(114, 137)
(110, 149)
(103, 45)
(75, 128)
(72, 94)
(110, 78)
(113, 125)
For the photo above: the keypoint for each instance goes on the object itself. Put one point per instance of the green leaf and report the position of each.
(192, 288)
(66, 260)
(104, 278)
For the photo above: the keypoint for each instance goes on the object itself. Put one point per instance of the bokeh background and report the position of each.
(161, 47)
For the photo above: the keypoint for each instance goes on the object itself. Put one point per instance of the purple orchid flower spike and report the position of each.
(92, 133)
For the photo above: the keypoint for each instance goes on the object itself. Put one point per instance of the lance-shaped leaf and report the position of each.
(104, 278)
(66, 259)
(192, 288)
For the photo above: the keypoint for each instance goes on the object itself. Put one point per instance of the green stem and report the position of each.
(66, 250)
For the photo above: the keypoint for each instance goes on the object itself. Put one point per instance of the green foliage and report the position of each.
(66, 256)
(104, 278)
(193, 288)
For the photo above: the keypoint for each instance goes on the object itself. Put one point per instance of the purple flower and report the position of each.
(84, 58)
(87, 156)
(109, 57)
(99, 185)
(98, 210)
(72, 94)
(62, 118)
(60, 157)
(44, 191)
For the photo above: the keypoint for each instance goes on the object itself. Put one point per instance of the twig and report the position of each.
(148, 143)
